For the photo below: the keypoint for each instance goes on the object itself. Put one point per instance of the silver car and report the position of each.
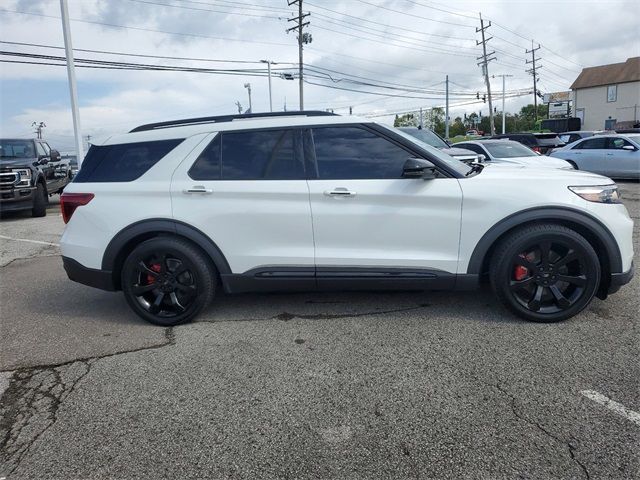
(510, 152)
(616, 156)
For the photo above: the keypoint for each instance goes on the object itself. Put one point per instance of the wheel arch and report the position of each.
(597, 234)
(129, 237)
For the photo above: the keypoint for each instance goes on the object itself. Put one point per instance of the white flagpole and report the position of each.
(71, 72)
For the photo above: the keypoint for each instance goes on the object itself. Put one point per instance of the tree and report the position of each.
(406, 120)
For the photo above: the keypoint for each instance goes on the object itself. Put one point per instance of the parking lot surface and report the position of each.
(345, 385)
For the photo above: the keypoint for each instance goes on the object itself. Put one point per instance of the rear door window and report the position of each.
(123, 162)
(262, 155)
(617, 144)
(357, 153)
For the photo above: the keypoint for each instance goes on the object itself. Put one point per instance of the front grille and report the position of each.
(8, 178)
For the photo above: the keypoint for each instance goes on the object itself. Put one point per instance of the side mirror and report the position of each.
(419, 168)
(55, 155)
(631, 148)
(481, 158)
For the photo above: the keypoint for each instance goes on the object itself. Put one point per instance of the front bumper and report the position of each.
(91, 277)
(620, 279)
(13, 199)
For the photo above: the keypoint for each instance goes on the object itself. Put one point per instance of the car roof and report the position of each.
(489, 140)
(240, 123)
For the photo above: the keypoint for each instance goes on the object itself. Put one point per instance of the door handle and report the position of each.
(198, 189)
(339, 192)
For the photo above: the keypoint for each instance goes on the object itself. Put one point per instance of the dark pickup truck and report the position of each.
(30, 171)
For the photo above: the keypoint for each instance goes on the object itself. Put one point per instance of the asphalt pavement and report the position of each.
(321, 385)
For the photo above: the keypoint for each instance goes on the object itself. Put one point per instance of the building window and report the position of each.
(612, 93)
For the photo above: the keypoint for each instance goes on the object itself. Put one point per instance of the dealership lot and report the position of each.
(348, 385)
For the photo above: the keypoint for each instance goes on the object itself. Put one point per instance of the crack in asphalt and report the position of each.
(29, 407)
(286, 316)
(543, 430)
(38, 254)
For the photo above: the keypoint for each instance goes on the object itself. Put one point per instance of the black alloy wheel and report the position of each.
(167, 281)
(545, 273)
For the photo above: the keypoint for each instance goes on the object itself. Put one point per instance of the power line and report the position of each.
(185, 7)
(415, 16)
(128, 27)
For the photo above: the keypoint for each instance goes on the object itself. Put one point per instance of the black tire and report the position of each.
(167, 281)
(545, 273)
(40, 201)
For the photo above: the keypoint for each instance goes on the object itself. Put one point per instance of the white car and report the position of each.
(172, 212)
(512, 153)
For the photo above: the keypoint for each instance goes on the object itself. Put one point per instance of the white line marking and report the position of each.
(30, 241)
(613, 406)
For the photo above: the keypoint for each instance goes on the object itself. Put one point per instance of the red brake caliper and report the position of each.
(156, 268)
(521, 272)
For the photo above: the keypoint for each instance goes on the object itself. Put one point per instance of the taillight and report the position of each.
(536, 149)
(70, 201)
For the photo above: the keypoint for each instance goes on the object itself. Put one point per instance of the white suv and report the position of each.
(172, 212)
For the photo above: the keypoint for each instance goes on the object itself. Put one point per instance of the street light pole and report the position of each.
(269, 62)
(503, 112)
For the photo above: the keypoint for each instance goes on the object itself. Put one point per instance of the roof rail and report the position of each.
(228, 118)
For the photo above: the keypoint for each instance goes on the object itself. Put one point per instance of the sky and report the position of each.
(379, 57)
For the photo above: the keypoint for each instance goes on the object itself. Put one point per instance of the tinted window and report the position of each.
(207, 166)
(355, 153)
(592, 143)
(124, 162)
(269, 155)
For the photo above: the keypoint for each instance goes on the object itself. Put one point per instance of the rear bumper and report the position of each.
(620, 279)
(102, 279)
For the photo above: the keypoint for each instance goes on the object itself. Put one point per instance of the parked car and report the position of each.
(474, 133)
(538, 142)
(513, 153)
(617, 156)
(432, 138)
(570, 137)
(30, 171)
(172, 211)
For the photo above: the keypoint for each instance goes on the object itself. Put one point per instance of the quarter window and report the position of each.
(122, 162)
(356, 153)
(264, 154)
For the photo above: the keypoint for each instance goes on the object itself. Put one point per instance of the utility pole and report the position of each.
(269, 63)
(71, 73)
(446, 111)
(532, 71)
(248, 87)
(302, 39)
(38, 127)
(486, 58)
(503, 112)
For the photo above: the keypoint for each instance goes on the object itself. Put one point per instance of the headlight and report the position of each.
(25, 177)
(598, 193)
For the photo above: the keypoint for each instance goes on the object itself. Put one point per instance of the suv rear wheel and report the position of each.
(545, 273)
(167, 281)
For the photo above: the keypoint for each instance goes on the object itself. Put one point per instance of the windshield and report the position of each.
(451, 162)
(16, 149)
(426, 136)
(634, 137)
(508, 150)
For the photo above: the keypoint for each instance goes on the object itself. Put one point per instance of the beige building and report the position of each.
(608, 96)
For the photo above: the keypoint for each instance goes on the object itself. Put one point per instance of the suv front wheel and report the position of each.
(545, 273)
(167, 281)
